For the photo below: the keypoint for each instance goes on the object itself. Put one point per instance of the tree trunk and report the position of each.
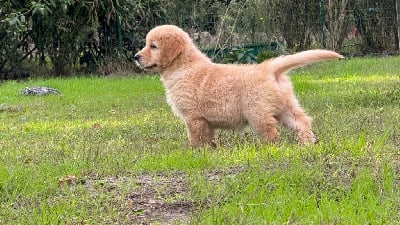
(337, 23)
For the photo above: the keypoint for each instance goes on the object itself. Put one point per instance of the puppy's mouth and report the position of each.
(150, 67)
(145, 67)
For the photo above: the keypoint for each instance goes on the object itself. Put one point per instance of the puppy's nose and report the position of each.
(137, 57)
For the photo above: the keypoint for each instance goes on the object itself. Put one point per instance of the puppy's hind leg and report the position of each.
(200, 133)
(298, 121)
(266, 127)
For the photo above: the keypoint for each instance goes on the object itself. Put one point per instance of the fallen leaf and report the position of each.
(69, 179)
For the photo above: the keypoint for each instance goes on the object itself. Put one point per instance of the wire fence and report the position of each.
(94, 36)
(351, 27)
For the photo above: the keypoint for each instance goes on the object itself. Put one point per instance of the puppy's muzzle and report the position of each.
(138, 62)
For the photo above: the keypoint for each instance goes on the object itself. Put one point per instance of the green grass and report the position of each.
(109, 151)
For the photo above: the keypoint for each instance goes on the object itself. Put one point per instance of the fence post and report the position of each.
(322, 21)
(398, 21)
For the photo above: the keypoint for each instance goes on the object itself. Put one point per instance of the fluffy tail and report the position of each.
(283, 64)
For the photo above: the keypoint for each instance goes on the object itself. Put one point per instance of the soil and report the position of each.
(159, 199)
(162, 198)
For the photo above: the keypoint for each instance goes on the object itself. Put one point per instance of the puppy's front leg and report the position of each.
(200, 132)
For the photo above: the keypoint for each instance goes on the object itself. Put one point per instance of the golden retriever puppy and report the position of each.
(208, 96)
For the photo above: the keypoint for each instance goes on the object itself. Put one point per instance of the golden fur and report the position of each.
(207, 96)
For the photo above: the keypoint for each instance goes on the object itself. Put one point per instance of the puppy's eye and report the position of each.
(153, 46)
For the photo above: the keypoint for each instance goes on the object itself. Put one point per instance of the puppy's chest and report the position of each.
(179, 103)
(173, 106)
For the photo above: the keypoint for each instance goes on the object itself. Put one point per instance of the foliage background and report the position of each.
(67, 37)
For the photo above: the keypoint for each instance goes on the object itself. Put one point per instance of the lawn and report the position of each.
(108, 150)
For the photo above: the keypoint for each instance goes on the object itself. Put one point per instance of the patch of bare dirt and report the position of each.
(162, 198)
(159, 199)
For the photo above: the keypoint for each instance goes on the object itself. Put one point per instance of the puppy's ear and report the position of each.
(171, 47)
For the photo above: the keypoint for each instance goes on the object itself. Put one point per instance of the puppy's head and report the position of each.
(164, 44)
